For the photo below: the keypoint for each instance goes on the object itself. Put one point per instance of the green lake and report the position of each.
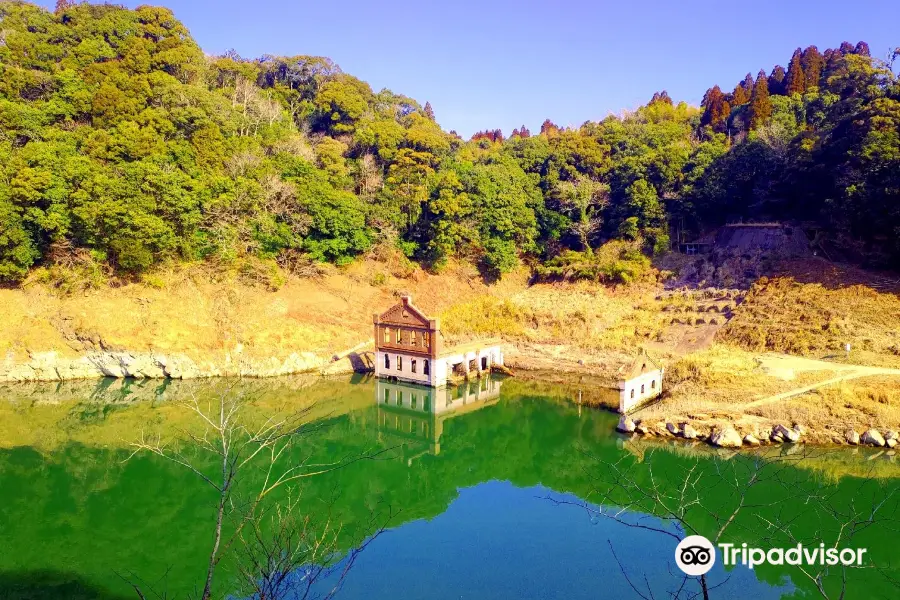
(498, 489)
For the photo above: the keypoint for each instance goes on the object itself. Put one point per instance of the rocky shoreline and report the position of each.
(51, 366)
(54, 367)
(729, 437)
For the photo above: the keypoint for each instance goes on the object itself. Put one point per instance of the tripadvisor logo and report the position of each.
(696, 555)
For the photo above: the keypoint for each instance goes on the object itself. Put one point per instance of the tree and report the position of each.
(522, 132)
(330, 153)
(429, 112)
(813, 64)
(795, 82)
(679, 496)
(661, 97)
(760, 105)
(585, 200)
(341, 102)
(549, 128)
(238, 444)
(63, 5)
(716, 108)
(494, 135)
(741, 93)
(777, 81)
(408, 178)
(642, 201)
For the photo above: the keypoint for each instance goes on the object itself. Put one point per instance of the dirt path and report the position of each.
(784, 366)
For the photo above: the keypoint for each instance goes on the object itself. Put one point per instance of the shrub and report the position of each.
(614, 262)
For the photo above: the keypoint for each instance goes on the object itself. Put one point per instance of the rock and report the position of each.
(891, 442)
(625, 425)
(799, 428)
(872, 437)
(852, 437)
(777, 438)
(672, 428)
(688, 432)
(789, 435)
(751, 440)
(642, 429)
(726, 438)
(890, 434)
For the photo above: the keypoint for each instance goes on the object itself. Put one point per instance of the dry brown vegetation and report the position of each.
(205, 313)
(566, 330)
(580, 326)
(784, 315)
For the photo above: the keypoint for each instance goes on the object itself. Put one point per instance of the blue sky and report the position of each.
(488, 64)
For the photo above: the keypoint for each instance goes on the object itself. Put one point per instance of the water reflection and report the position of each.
(418, 413)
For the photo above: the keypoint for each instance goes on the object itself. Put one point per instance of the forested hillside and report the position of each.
(123, 146)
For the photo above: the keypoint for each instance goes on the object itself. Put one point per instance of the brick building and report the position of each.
(409, 347)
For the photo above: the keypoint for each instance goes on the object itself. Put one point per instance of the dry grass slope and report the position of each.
(784, 315)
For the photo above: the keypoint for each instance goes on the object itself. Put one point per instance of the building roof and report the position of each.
(642, 364)
(404, 313)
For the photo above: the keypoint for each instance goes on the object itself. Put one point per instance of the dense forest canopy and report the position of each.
(123, 144)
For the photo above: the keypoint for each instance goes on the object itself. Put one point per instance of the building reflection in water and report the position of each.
(416, 414)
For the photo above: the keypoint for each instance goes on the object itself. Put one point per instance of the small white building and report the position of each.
(643, 381)
(408, 347)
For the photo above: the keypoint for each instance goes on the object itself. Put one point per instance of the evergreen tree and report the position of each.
(760, 104)
(740, 95)
(776, 81)
(795, 82)
(813, 64)
(548, 127)
(521, 133)
(662, 96)
(862, 49)
(429, 112)
(62, 5)
(717, 108)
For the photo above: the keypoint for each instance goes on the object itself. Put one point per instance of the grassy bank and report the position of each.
(716, 344)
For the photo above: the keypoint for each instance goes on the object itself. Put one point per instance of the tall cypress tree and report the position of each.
(429, 112)
(776, 81)
(742, 91)
(795, 82)
(813, 64)
(760, 104)
(717, 108)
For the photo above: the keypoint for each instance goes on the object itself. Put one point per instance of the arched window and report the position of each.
(398, 336)
(642, 388)
(425, 367)
(412, 365)
(399, 363)
(653, 385)
(387, 335)
(632, 393)
(387, 361)
(412, 337)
